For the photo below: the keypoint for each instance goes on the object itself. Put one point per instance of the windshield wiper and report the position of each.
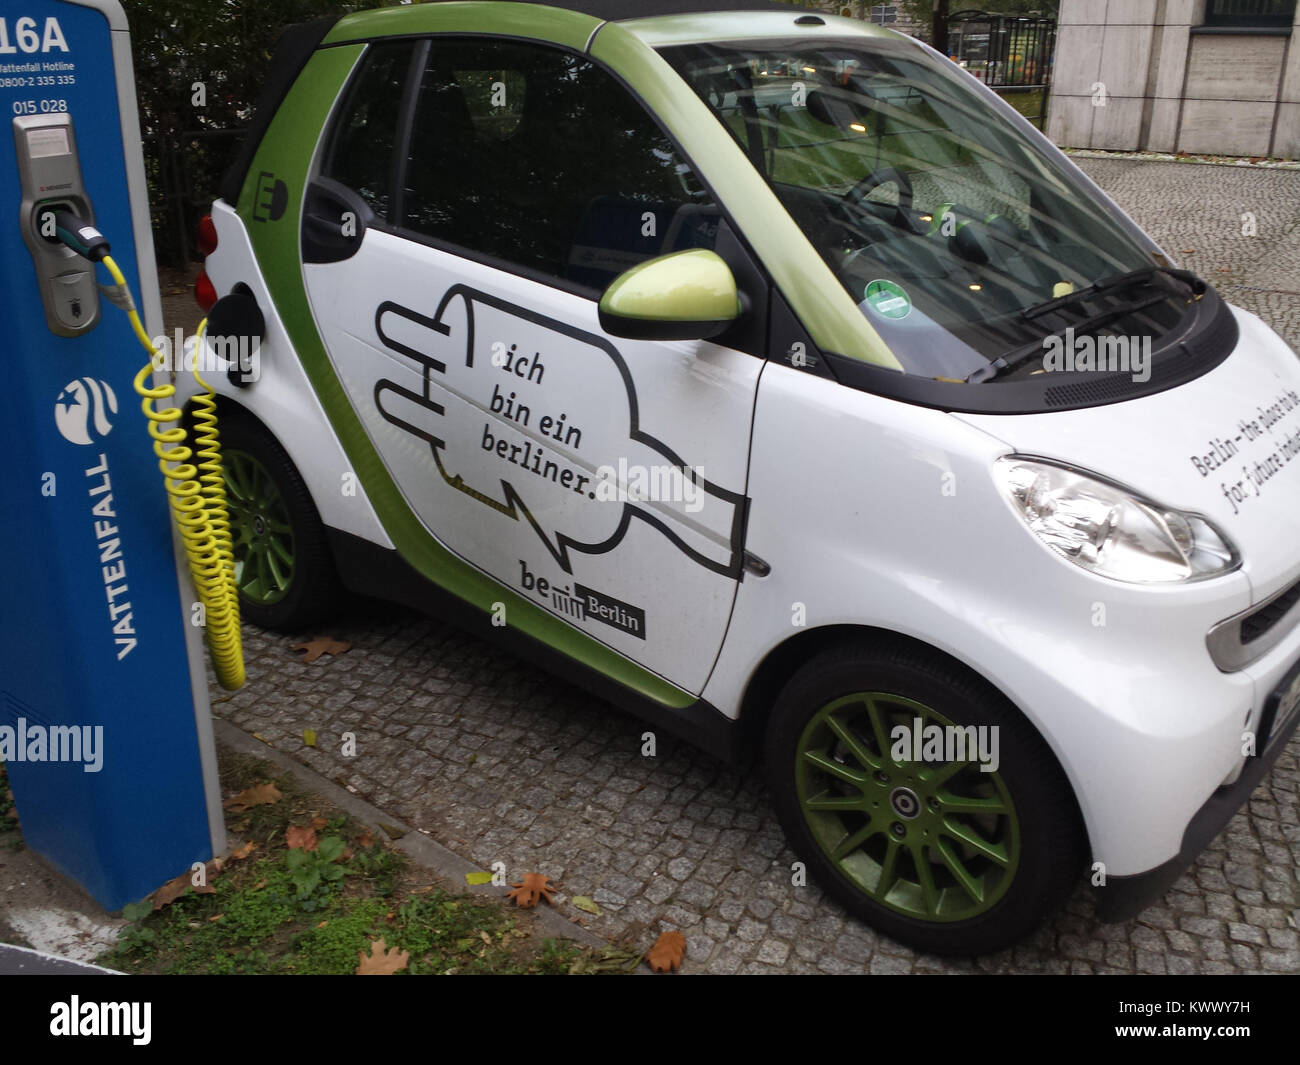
(1145, 273)
(1004, 364)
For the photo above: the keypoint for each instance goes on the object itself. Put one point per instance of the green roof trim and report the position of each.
(662, 31)
(534, 21)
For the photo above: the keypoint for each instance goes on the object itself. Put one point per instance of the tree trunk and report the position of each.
(939, 26)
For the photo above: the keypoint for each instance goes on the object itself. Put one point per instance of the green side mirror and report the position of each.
(688, 295)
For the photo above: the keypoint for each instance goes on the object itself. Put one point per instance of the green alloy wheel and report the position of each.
(936, 841)
(879, 780)
(263, 536)
(283, 567)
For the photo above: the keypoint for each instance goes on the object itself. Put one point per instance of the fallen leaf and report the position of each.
(667, 953)
(586, 905)
(177, 886)
(486, 938)
(534, 886)
(346, 855)
(216, 918)
(318, 822)
(382, 961)
(260, 884)
(309, 737)
(240, 853)
(322, 924)
(366, 841)
(478, 878)
(298, 837)
(171, 891)
(260, 795)
(322, 645)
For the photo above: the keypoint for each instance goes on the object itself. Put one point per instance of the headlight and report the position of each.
(1109, 531)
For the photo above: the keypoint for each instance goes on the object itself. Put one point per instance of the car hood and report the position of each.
(1225, 446)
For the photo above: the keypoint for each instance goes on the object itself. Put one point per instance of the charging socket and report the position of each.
(50, 172)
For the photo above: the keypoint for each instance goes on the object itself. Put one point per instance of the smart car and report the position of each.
(765, 373)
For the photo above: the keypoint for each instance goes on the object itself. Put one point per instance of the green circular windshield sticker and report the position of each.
(887, 298)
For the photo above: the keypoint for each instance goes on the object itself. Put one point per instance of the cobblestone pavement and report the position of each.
(502, 762)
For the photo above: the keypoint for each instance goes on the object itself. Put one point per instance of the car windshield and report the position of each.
(955, 231)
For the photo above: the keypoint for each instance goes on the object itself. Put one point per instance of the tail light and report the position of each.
(205, 293)
(207, 236)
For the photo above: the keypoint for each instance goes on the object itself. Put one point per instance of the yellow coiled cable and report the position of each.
(197, 497)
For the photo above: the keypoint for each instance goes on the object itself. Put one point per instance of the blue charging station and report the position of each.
(104, 715)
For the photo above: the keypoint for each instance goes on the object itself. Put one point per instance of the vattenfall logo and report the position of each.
(81, 415)
(82, 410)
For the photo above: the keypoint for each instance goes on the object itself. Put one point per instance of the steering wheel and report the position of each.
(875, 179)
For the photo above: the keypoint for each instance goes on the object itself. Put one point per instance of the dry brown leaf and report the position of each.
(322, 924)
(240, 853)
(218, 917)
(346, 855)
(299, 837)
(171, 891)
(260, 795)
(322, 645)
(366, 841)
(382, 961)
(318, 822)
(178, 885)
(667, 953)
(534, 887)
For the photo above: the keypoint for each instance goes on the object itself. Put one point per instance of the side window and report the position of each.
(538, 157)
(360, 154)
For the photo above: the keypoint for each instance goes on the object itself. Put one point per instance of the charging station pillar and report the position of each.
(104, 715)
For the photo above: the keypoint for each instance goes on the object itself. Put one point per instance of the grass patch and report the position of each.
(1029, 104)
(288, 911)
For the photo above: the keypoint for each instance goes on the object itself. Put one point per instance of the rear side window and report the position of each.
(361, 151)
(540, 159)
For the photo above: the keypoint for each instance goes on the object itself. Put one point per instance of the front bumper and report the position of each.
(1124, 897)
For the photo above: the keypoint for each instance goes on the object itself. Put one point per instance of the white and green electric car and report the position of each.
(765, 373)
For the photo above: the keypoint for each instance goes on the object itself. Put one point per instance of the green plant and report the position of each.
(315, 872)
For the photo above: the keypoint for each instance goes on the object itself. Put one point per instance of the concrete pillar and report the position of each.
(1147, 75)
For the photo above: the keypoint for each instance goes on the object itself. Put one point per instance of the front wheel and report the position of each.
(920, 799)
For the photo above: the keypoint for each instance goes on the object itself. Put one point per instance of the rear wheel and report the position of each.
(283, 566)
(877, 762)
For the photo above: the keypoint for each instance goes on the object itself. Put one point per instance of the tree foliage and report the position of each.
(199, 65)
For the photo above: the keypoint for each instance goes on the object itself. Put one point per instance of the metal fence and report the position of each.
(184, 173)
(1011, 54)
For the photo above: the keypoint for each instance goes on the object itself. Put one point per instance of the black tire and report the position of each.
(313, 591)
(1043, 827)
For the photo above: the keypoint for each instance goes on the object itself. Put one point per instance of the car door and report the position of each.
(600, 477)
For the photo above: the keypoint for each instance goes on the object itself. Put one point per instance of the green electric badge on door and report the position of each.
(888, 299)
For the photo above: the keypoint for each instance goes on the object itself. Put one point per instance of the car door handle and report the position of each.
(334, 222)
